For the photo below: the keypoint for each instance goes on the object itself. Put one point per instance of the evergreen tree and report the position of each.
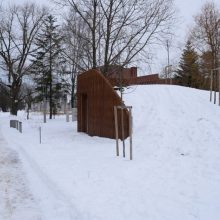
(188, 73)
(45, 64)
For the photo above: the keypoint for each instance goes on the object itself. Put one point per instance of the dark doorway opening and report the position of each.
(84, 113)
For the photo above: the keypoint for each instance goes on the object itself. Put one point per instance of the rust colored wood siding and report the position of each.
(95, 103)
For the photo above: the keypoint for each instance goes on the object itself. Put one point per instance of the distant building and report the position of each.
(118, 75)
(116, 71)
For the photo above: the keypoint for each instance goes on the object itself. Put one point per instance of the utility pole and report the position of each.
(168, 59)
(168, 70)
(45, 104)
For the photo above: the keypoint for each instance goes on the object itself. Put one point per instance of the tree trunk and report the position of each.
(51, 80)
(28, 109)
(15, 89)
(107, 42)
(51, 101)
(27, 113)
(72, 91)
(94, 62)
(14, 107)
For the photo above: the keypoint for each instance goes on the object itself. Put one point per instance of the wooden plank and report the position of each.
(116, 130)
(211, 84)
(130, 132)
(122, 130)
(218, 87)
(215, 85)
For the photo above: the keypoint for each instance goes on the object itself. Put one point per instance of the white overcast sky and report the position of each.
(186, 10)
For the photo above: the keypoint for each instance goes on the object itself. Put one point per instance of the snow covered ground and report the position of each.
(175, 174)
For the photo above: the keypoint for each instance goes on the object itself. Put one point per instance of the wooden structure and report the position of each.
(116, 108)
(95, 106)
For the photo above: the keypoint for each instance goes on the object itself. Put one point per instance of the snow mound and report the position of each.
(175, 173)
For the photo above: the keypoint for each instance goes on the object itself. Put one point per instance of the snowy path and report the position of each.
(16, 201)
(52, 202)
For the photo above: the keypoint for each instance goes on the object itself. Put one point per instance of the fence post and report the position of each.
(20, 126)
(64, 105)
(122, 130)
(116, 130)
(130, 126)
(40, 134)
(67, 113)
(219, 87)
(130, 132)
(45, 110)
(13, 123)
(16, 124)
(215, 85)
(211, 85)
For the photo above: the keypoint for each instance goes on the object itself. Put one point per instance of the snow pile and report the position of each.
(175, 173)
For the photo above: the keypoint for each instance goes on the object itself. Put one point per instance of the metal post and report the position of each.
(17, 124)
(215, 85)
(122, 130)
(165, 70)
(67, 113)
(40, 134)
(218, 87)
(211, 85)
(130, 132)
(20, 126)
(116, 130)
(65, 100)
(45, 110)
(13, 123)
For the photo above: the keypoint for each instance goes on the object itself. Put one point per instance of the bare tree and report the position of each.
(19, 26)
(206, 35)
(132, 26)
(75, 50)
(119, 30)
(88, 11)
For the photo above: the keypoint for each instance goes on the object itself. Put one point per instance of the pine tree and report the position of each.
(205, 67)
(45, 63)
(188, 73)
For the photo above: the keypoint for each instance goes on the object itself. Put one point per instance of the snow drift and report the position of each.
(175, 173)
